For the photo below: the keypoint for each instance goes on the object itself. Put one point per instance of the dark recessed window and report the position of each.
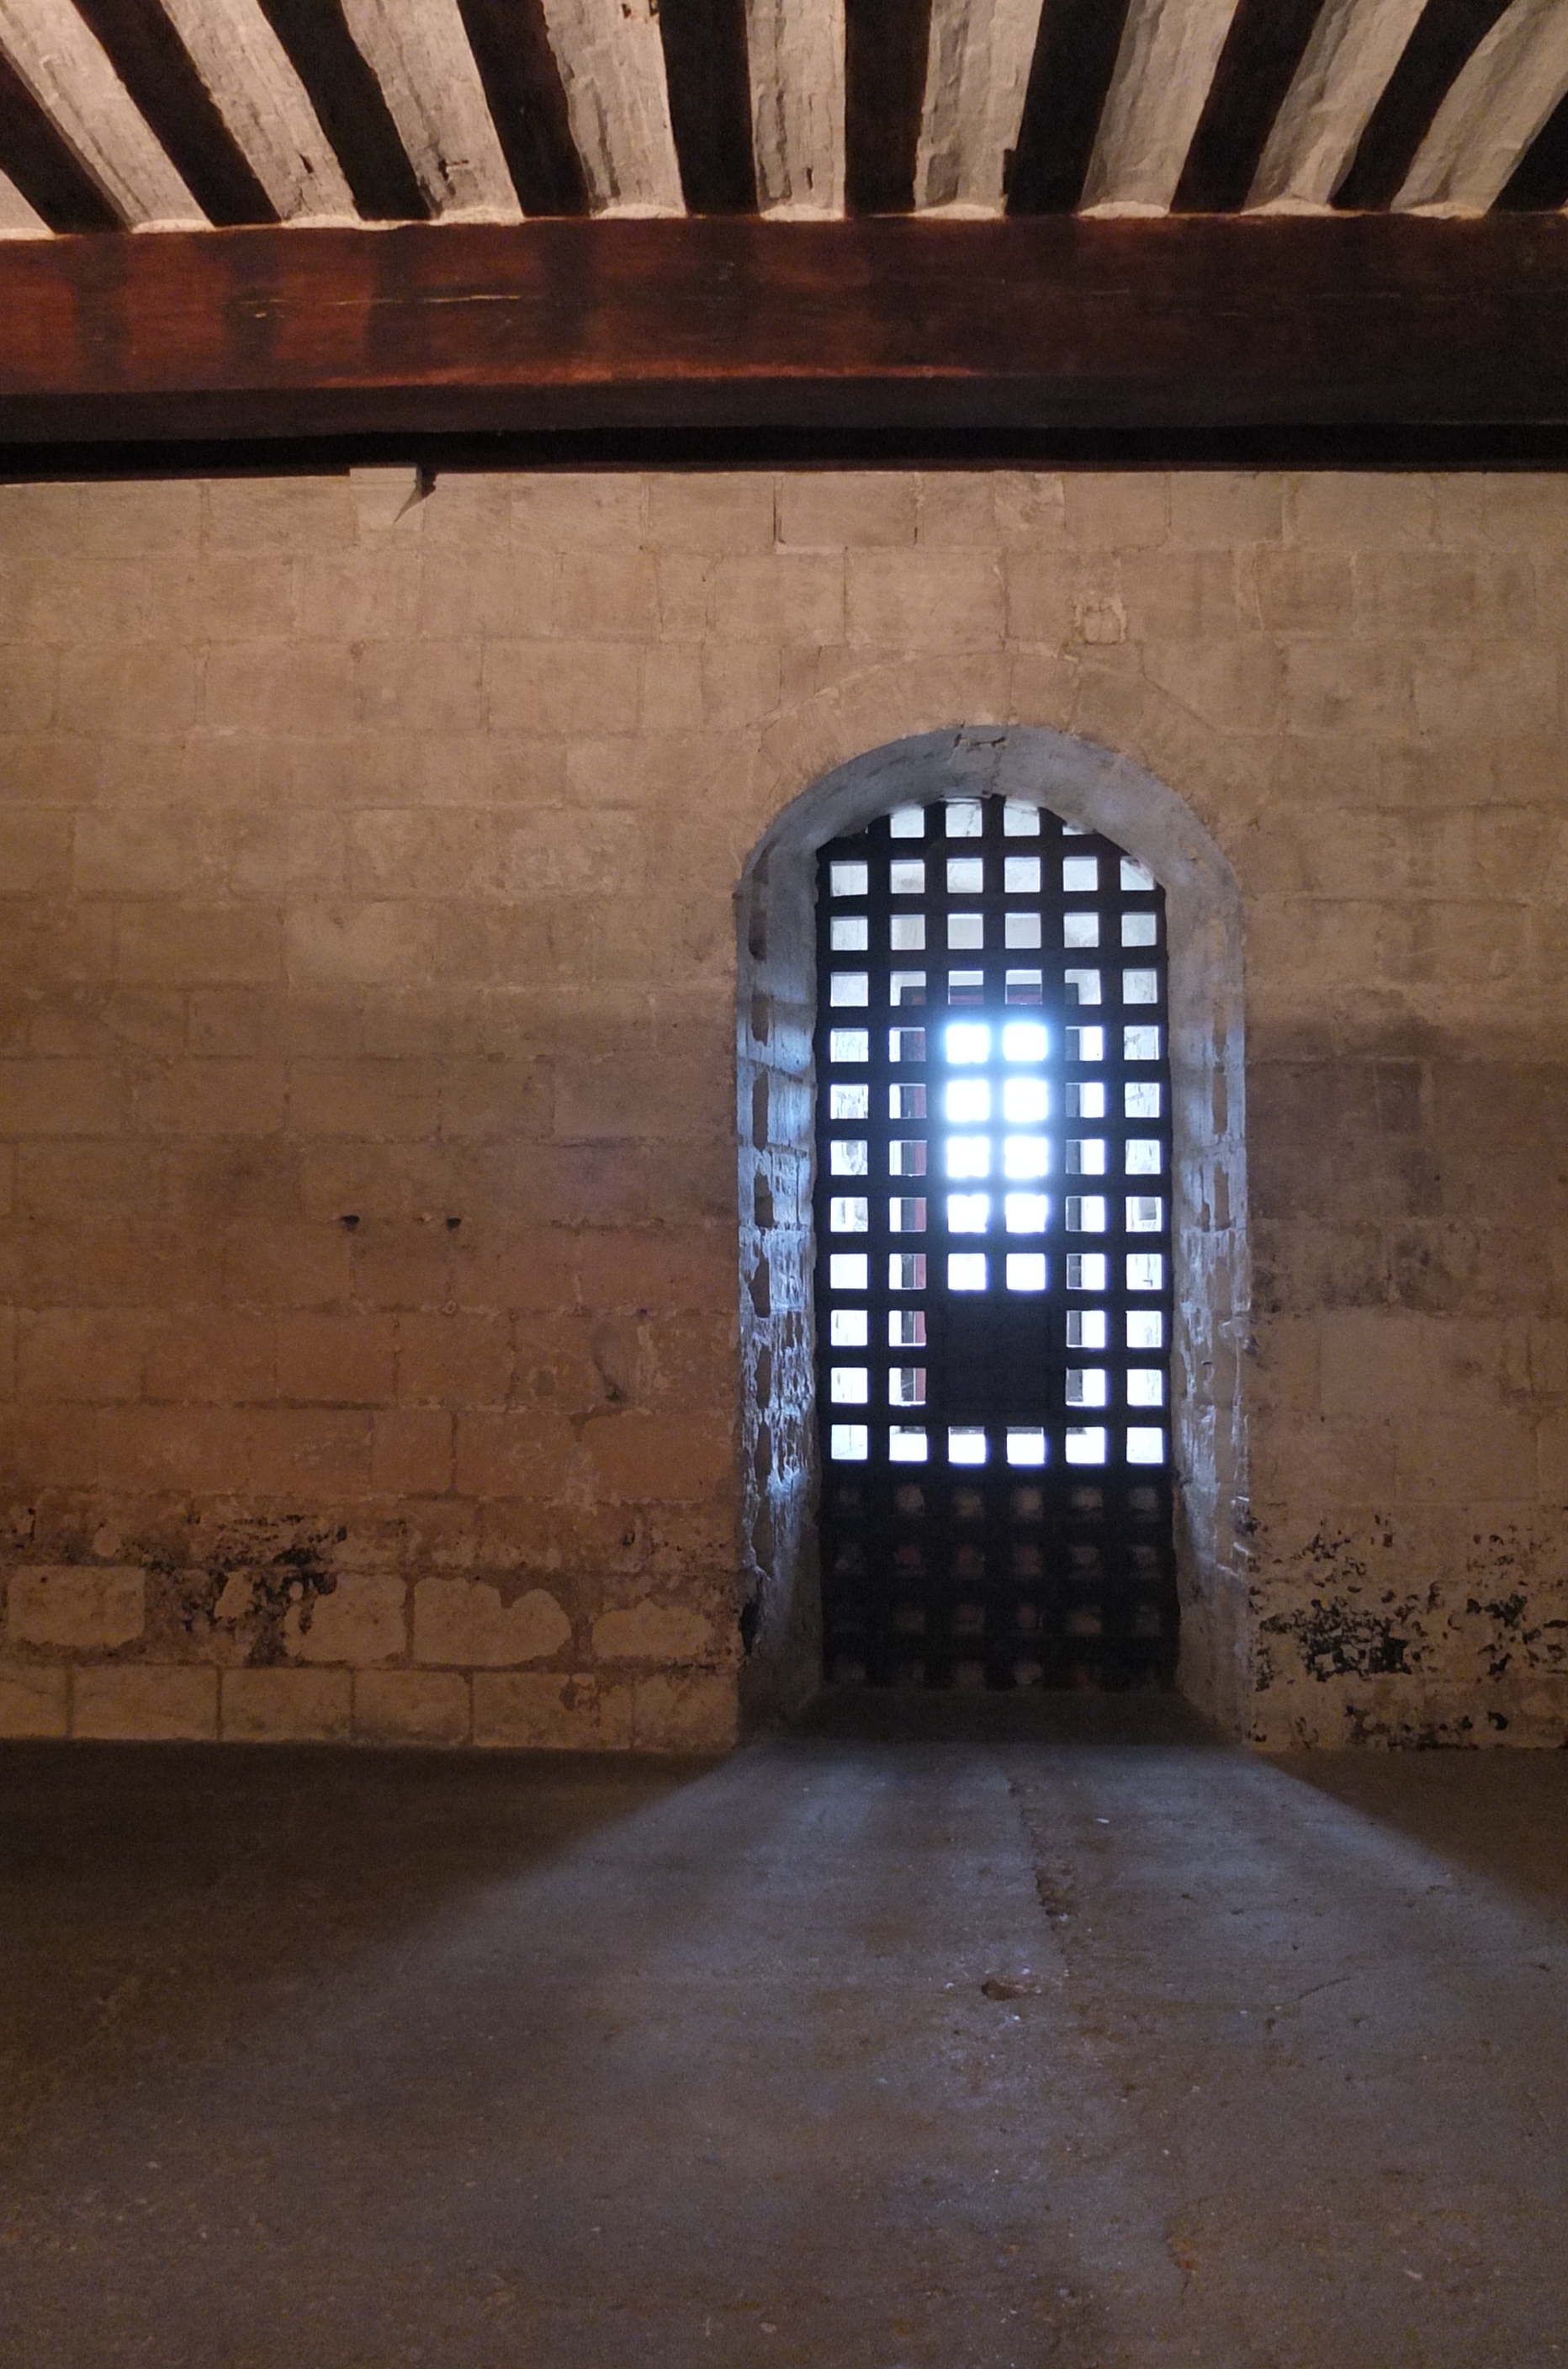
(994, 1267)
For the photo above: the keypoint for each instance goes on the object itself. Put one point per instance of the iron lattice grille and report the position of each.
(993, 1270)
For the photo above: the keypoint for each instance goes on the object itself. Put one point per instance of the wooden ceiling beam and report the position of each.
(264, 105)
(1164, 71)
(158, 70)
(1434, 57)
(1504, 98)
(71, 76)
(419, 51)
(975, 80)
(527, 102)
(1257, 65)
(350, 107)
(48, 177)
(1355, 47)
(797, 53)
(612, 63)
(1365, 321)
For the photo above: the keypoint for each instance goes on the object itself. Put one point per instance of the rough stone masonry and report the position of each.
(369, 1362)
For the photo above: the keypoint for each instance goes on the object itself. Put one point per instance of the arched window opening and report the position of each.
(993, 1271)
(1097, 803)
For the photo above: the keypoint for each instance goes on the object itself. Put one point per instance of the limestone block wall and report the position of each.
(372, 1266)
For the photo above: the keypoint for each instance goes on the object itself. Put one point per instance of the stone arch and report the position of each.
(1084, 784)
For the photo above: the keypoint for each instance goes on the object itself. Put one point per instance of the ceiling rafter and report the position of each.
(1434, 57)
(1163, 73)
(350, 105)
(266, 106)
(155, 114)
(527, 103)
(1504, 96)
(976, 81)
(155, 66)
(420, 53)
(1257, 65)
(1355, 47)
(797, 52)
(71, 76)
(45, 170)
(612, 63)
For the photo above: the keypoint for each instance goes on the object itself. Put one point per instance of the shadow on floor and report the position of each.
(1501, 1815)
(893, 1715)
(161, 1884)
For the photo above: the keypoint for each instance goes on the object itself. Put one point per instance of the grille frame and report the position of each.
(1001, 1575)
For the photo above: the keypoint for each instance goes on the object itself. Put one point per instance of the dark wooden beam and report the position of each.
(350, 106)
(1435, 55)
(523, 90)
(1359, 320)
(153, 64)
(885, 52)
(1257, 65)
(1075, 56)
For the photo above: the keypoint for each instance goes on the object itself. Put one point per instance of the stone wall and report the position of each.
(370, 1355)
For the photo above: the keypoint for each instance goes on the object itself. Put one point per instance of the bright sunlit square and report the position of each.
(1027, 1213)
(967, 1102)
(969, 1041)
(1022, 1040)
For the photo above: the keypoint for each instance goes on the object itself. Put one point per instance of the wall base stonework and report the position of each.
(369, 1078)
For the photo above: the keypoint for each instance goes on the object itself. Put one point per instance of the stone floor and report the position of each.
(1089, 2042)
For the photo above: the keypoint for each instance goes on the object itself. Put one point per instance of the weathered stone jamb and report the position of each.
(776, 969)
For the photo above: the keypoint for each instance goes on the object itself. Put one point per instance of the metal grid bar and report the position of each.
(993, 1285)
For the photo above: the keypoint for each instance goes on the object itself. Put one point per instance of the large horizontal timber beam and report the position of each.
(889, 323)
